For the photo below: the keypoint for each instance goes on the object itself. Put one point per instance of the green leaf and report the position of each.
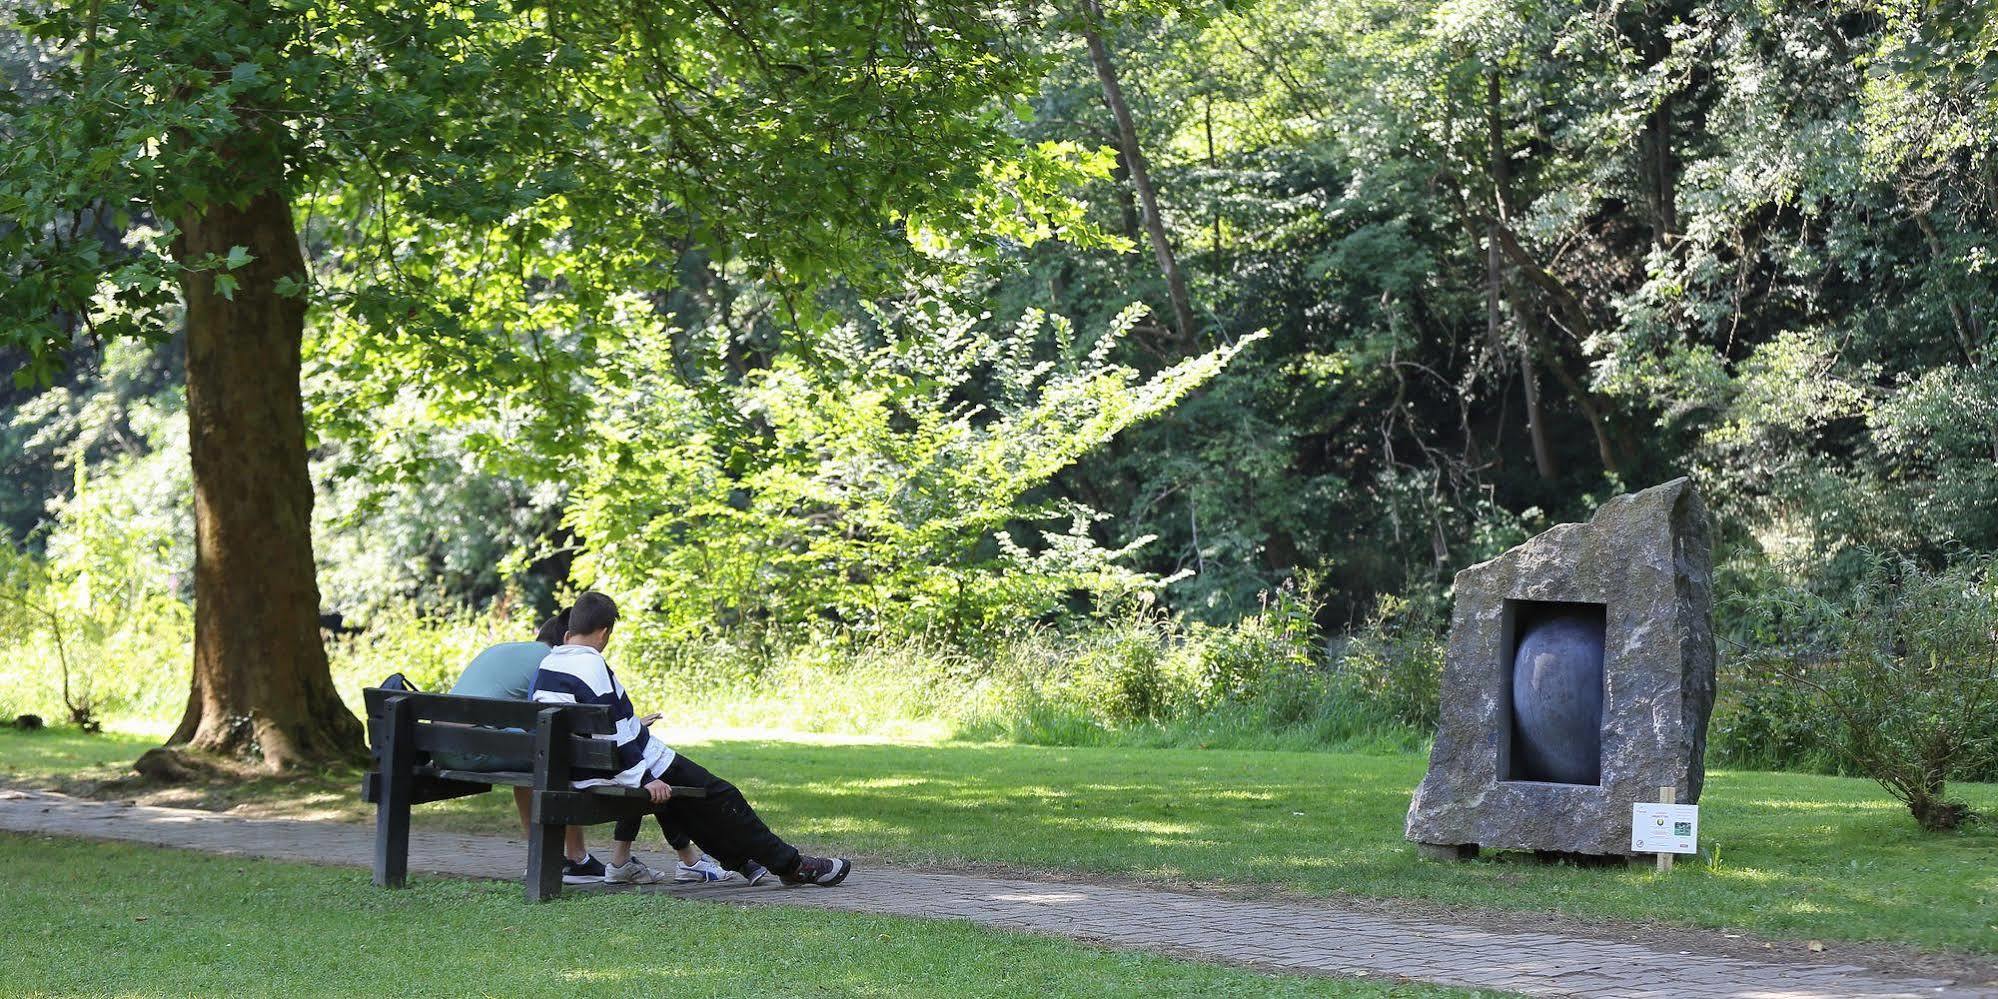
(226, 285)
(238, 256)
(288, 287)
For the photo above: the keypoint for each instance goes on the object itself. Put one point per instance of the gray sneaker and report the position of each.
(702, 871)
(822, 871)
(632, 872)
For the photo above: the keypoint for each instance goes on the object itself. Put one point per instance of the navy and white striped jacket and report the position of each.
(577, 674)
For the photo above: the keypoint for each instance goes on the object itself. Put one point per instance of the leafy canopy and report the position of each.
(472, 176)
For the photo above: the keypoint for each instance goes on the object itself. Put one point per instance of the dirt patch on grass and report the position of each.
(219, 787)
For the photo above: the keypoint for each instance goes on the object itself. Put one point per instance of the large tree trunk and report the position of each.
(262, 690)
(1141, 178)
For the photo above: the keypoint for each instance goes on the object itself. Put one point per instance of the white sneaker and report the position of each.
(631, 872)
(703, 870)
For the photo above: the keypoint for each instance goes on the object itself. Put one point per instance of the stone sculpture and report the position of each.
(1578, 680)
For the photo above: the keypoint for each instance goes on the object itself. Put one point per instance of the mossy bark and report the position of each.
(262, 689)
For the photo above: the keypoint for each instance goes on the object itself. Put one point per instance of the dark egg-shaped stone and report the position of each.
(1557, 695)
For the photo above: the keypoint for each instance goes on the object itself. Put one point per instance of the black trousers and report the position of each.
(724, 824)
(627, 829)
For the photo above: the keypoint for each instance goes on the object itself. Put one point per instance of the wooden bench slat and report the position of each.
(510, 778)
(425, 787)
(495, 712)
(472, 740)
(584, 808)
(449, 737)
(519, 778)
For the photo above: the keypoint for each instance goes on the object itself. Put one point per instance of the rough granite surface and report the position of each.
(1647, 557)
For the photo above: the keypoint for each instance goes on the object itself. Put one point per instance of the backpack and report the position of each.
(396, 681)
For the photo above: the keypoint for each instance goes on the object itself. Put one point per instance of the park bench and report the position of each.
(406, 727)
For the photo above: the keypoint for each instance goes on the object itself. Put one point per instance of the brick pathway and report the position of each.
(1299, 937)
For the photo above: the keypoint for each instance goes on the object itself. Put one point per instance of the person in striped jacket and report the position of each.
(576, 672)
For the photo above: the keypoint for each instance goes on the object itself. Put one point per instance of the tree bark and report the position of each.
(1664, 174)
(1969, 328)
(1212, 170)
(1536, 417)
(261, 689)
(1586, 402)
(1658, 167)
(1127, 204)
(1141, 179)
(1499, 165)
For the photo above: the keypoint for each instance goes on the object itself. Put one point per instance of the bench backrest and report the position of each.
(458, 724)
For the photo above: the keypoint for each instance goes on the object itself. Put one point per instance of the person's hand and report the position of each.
(653, 717)
(660, 791)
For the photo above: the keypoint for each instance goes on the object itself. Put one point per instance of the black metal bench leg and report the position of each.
(395, 756)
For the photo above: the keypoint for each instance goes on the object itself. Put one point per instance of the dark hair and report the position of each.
(593, 613)
(554, 628)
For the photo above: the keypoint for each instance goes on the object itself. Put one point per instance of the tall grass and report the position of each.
(1137, 680)
(1141, 680)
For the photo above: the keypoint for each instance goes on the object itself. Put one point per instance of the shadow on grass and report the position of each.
(54, 752)
(1787, 855)
(171, 922)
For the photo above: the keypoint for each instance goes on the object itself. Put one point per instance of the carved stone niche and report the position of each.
(1578, 681)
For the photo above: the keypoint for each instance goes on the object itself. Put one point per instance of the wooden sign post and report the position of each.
(1666, 795)
(1662, 828)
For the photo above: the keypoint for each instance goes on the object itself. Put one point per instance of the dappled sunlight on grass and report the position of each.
(1804, 855)
(845, 828)
(696, 734)
(1747, 875)
(1843, 808)
(63, 751)
(1135, 826)
(887, 782)
(182, 923)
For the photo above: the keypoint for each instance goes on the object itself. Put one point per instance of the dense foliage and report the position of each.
(875, 487)
(1510, 258)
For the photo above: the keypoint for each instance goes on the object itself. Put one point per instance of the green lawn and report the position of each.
(140, 921)
(57, 751)
(1798, 856)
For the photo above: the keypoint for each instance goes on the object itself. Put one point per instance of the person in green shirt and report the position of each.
(507, 671)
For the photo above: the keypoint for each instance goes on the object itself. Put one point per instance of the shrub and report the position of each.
(430, 648)
(1129, 673)
(93, 626)
(1394, 663)
(858, 488)
(1762, 721)
(1270, 652)
(1905, 664)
